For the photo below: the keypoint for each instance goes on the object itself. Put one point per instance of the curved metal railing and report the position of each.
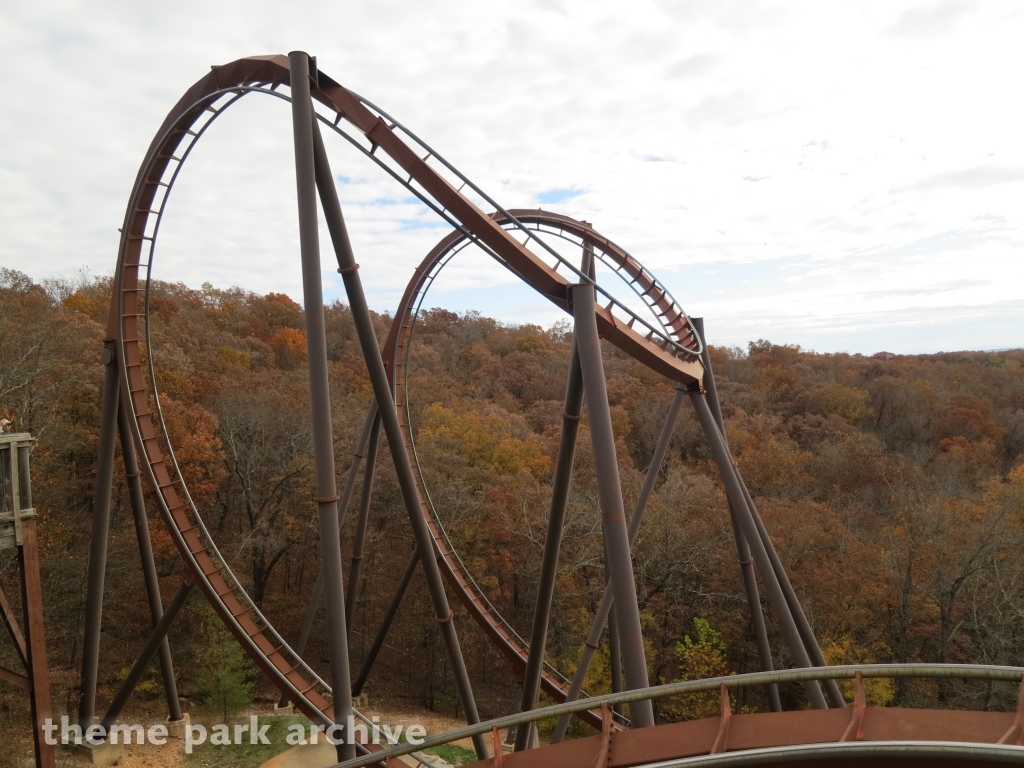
(730, 682)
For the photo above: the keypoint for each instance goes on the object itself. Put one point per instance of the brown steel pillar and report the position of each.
(764, 650)
(385, 625)
(835, 696)
(32, 605)
(7, 614)
(157, 638)
(604, 609)
(346, 497)
(364, 513)
(348, 269)
(320, 398)
(156, 606)
(734, 492)
(571, 414)
(99, 537)
(613, 514)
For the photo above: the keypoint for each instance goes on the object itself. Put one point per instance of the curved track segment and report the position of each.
(667, 353)
(396, 350)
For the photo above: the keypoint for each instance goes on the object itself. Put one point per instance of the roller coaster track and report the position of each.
(669, 345)
(396, 354)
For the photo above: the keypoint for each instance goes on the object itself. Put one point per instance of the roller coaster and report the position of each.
(648, 324)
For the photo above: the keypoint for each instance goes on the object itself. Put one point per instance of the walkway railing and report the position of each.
(731, 682)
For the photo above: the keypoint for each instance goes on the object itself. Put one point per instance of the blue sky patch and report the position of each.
(558, 195)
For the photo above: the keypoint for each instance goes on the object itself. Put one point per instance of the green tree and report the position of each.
(698, 660)
(227, 675)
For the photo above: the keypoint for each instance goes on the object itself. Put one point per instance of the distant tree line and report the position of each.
(892, 485)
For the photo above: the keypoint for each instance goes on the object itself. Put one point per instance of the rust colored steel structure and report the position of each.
(668, 344)
(18, 530)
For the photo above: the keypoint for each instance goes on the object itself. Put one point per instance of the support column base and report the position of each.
(287, 709)
(178, 728)
(102, 754)
(362, 701)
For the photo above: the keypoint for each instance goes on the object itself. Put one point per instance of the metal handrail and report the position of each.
(841, 672)
(936, 750)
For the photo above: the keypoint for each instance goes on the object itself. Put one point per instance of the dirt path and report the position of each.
(171, 755)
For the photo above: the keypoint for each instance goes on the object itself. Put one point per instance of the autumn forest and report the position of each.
(892, 487)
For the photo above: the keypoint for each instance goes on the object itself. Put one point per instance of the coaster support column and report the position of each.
(764, 650)
(99, 538)
(604, 609)
(613, 514)
(348, 269)
(319, 390)
(571, 415)
(156, 607)
(364, 514)
(346, 496)
(385, 625)
(733, 490)
(32, 604)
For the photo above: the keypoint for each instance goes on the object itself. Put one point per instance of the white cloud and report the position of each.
(883, 138)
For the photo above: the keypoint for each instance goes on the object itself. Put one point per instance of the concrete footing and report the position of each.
(178, 728)
(103, 754)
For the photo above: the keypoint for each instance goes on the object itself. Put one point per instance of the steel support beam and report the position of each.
(385, 625)
(734, 492)
(156, 638)
(835, 696)
(604, 609)
(99, 539)
(349, 271)
(156, 606)
(764, 650)
(613, 514)
(38, 672)
(615, 659)
(15, 678)
(320, 398)
(571, 415)
(346, 497)
(359, 539)
(13, 629)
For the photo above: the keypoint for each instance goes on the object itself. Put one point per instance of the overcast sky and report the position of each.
(839, 175)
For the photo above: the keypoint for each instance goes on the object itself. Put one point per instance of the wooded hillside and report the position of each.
(892, 485)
